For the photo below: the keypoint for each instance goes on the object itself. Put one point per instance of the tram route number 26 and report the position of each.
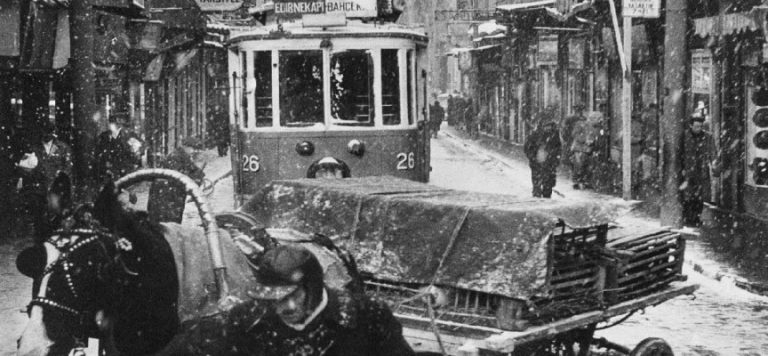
(251, 163)
(406, 161)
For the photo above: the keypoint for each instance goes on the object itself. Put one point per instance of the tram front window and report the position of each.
(390, 86)
(301, 88)
(352, 88)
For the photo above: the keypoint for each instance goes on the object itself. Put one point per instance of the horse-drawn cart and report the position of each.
(470, 273)
(465, 273)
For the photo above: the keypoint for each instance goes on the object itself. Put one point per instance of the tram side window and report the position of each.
(352, 88)
(301, 88)
(390, 86)
(411, 86)
(243, 99)
(262, 73)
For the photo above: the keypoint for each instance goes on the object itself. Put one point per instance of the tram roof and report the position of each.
(353, 29)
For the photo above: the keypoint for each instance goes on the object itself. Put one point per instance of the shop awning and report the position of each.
(533, 5)
(730, 23)
(489, 28)
(547, 15)
(459, 50)
(45, 42)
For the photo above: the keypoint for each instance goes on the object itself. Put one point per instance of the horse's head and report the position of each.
(90, 276)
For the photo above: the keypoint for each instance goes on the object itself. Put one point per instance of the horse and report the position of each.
(139, 287)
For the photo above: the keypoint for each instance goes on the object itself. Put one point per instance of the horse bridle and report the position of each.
(62, 240)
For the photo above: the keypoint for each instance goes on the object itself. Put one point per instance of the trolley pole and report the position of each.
(672, 123)
(83, 91)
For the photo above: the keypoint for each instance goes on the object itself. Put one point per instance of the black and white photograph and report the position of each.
(383, 177)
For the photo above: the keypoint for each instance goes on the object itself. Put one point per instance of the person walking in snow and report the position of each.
(543, 148)
(698, 159)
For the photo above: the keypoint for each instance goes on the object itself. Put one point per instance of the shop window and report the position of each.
(390, 86)
(262, 74)
(701, 82)
(301, 88)
(352, 88)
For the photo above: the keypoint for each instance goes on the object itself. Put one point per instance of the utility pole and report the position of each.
(83, 77)
(626, 113)
(673, 121)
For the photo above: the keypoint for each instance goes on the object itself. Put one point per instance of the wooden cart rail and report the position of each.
(454, 335)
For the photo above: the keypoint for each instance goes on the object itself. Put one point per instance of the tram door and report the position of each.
(422, 100)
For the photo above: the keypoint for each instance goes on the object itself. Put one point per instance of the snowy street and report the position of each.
(720, 320)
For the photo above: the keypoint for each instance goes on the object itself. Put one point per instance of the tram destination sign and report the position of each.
(351, 8)
(642, 8)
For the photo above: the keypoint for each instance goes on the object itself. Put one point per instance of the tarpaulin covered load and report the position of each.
(404, 231)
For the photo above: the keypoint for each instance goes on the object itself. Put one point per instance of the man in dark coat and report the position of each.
(436, 115)
(450, 111)
(307, 318)
(54, 156)
(114, 155)
(698, 158)
(469, 116)
(167, 200)
(543, 148)
(42, 162)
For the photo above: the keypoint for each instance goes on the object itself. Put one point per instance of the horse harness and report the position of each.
(64, 241)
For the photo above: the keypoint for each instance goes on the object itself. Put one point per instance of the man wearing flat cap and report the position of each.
(305, 317)
(699, 158)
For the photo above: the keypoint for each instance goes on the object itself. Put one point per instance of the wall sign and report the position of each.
(641, 8)
(351, 8)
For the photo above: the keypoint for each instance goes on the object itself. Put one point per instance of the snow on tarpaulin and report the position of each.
(400, 230)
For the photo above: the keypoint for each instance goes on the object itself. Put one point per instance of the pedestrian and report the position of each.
(305, 317)
(584, 136)
(30, 192)
(543, 148)
(469, 116)
(167, 199)
(54, 156)
(698, 158)
(219, 128)
(44, 159)
(436, 115)
(115, 155)
(450, 110)
(567, 128)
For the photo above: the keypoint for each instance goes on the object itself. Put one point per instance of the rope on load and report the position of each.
(427, 294)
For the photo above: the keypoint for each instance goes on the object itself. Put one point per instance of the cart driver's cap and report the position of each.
(282, 270)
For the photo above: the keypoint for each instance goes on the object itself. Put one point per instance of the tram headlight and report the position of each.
(305, 148)
(356, 147)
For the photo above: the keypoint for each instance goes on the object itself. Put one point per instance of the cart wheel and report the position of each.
(652, 346)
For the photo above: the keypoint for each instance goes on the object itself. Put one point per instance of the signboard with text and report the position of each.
(642, 8)
(219, 5)
(351, 8)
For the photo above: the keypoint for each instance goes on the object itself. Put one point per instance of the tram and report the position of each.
(349, 98)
